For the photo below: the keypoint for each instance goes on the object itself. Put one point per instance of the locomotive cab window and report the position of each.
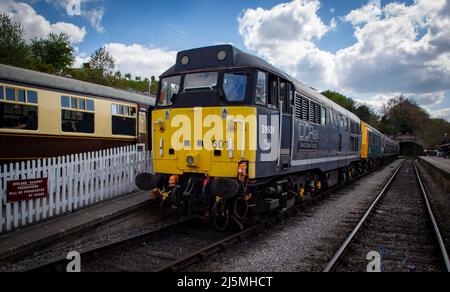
(19, 110)
(123, 120)
(284, 96)
(207, 80)
(235, 86)
(273, 91)
(77, 115)
(261, 89)
(170, 87)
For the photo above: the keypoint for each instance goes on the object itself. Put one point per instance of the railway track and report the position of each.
(174, 247)
(397, 233)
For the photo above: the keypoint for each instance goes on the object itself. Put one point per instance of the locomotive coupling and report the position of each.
(225, 187)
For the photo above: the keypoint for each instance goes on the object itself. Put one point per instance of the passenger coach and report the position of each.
(43, 115)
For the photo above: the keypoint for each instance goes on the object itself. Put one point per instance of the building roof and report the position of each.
(29, 77)
(207, 57)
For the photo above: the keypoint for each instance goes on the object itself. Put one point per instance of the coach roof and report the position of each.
(25, 76)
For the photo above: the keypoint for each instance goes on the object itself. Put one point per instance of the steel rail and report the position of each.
(203, 253)
(433, 220)
(335, 259)
(59, 264)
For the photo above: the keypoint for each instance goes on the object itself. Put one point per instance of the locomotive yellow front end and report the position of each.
(203, 159)
(212, 142)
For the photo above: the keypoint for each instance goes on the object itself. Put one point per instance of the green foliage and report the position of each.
(14, 49)
(364, 112)
(52, 54)
(341, 99)
(102, 65)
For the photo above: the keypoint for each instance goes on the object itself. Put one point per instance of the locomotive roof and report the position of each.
(25, 76)
(207, 58)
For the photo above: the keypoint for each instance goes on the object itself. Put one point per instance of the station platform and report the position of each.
(441, 164)
(35, 236)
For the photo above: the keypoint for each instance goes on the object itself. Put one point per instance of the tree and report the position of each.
(403, 116)
(52, 54)
(102, 64)
(118, 75)
(13, 46)
(128, 76)
(340, 99)
(368, 115)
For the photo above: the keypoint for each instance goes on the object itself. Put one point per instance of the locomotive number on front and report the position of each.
(268, 130)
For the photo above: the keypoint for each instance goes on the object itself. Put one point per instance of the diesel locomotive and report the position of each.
(234, 138)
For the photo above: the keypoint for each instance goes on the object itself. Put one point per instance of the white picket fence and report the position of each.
(74, 181)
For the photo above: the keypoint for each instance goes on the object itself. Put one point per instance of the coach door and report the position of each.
(285, 97)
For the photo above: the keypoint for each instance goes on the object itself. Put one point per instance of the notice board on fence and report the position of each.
(24, 190)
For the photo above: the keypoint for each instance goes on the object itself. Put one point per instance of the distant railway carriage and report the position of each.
(305, 142)
(43, 115)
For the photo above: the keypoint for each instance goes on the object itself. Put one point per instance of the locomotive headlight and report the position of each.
(190, 160)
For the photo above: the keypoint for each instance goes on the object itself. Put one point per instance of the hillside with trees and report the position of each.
(54, 54)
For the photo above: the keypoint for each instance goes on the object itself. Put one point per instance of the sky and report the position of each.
(371, 50)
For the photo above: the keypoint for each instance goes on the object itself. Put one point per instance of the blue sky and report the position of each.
(181, 24)
(369, 49)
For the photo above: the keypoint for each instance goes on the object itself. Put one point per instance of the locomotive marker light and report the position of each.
(222, 55)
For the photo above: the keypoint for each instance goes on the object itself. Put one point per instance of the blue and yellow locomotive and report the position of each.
(234, 137)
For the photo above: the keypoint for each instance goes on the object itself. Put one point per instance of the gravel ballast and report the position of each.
(303, 243)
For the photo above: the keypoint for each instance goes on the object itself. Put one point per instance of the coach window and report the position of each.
(16, 111)
(123, 120)
(273, 91)
(261, 89)
(77, 115)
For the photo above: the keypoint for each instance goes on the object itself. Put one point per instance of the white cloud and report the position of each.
(95, 16)
(141, 60)
(370, 12)
(399, 48)
(443, 114)
(391, 54)
(36, 25)
(80, 58)
(285, 35)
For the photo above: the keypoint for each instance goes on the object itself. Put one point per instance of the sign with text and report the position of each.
(24, 190)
